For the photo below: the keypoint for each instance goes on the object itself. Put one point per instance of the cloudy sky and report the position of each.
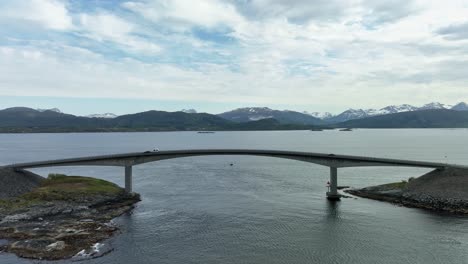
(129, 56)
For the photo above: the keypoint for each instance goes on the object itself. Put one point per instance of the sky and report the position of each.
(127, 56)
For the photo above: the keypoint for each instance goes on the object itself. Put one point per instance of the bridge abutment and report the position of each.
(128, 179)
(333, 194)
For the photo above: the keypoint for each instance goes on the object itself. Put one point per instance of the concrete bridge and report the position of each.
(128, 160)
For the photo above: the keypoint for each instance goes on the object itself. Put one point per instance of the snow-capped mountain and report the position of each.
(248, 114)
(258, 113)
(189, 111)
(392, 109)
(52, 109)
(319, 115)
(351, 114)
(105, 115)
(435, 105)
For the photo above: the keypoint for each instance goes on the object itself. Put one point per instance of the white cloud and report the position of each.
(27, 71)
(207, 13)
(108, 27)
(105, 26)
(51, 14)
(298, 11)
(336, 54)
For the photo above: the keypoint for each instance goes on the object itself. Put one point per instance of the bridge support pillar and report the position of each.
(128, 179)
(333, 194)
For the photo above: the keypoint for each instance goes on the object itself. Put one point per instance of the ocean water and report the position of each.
(263, 210)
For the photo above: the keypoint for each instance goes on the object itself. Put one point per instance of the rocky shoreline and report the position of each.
(65, 217)
(442, 190)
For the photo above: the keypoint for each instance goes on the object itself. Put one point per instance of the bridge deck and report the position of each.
(135, 158)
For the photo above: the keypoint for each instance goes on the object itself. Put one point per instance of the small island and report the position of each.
(442, 190)
(59, 217)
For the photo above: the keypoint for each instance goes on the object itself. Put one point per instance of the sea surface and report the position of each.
(263, 210)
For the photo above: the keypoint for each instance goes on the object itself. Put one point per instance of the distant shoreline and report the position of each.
(151, 131)
(230, 130)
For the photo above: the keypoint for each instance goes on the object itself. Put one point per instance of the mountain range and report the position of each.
(430, 118)
(248, 114)
(351, 114)
(324, 118)
(23, 119)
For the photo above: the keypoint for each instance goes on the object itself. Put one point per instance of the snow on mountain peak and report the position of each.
(105, 115)
(435, 105)
(254, 109)
(51, 109)
(319, 115)
(189, 111)
(392, 109)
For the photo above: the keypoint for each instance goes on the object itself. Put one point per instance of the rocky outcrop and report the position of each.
(65, 217)
(441, 190)
(54, 231)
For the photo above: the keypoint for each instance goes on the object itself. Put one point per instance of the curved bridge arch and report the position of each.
(128, 160)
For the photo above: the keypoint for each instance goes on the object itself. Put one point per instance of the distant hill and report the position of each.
(433, 118)
(460, 107)
(268, 124)
(160, 120)
(258, 113)
(23, 117)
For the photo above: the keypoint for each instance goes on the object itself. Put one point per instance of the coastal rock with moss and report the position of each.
(61, 217)
(442, 190)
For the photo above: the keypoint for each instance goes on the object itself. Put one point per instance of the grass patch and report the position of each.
(17, 203)
(62, 187)
(60, 182)
(396, 185)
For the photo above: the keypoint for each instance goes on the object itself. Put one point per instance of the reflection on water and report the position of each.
(333, 210)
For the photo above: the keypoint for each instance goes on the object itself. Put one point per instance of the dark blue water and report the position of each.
(263, 210)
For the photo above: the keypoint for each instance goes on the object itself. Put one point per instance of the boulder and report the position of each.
(59, 245)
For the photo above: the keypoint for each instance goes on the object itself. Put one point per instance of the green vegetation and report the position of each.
(62, 187)
(396, 185)
(59, 187)
(17, 203)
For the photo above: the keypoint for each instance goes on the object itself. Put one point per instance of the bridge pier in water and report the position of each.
(128, 179)
(333, 194)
